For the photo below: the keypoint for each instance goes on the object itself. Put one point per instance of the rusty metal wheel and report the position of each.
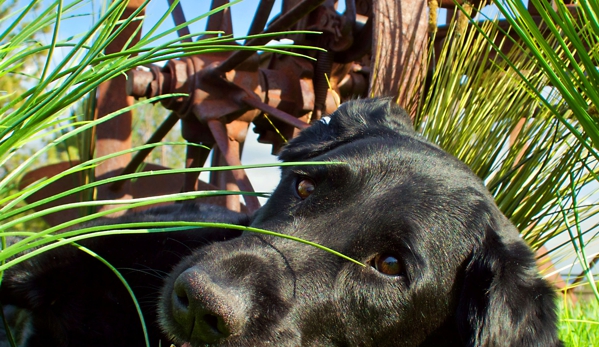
(278, 94)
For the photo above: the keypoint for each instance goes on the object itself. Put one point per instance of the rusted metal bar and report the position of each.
(231, 156)
(400, 40)
(194, 157)
(179, 18)
(261, 16)
(322, 72)
(220, 21)
(140, 156)
(115, 135)
(275, 112)
(224, 180)
(282, 23)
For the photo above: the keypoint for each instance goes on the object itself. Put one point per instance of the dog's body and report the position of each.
(65, 297)
(443, 266)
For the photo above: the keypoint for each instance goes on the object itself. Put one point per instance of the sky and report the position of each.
(242, 14)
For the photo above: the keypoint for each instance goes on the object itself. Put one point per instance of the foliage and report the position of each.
(564, 48)
(12, 84)
(579, 323)
(49, 111)
(496, 113)
(534, 147)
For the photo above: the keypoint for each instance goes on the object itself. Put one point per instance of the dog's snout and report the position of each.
(207, 311)
(229, 291)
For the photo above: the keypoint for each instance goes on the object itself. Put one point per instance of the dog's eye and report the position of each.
(387, 264)
(304, 187)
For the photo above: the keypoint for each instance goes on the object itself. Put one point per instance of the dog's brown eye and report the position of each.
(387, 264)
(305, 187)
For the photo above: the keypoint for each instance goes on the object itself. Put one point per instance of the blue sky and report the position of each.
(88, 11)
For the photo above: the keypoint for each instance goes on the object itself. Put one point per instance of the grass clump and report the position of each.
(579, 323)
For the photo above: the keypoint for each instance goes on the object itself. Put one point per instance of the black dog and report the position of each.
(443, 266)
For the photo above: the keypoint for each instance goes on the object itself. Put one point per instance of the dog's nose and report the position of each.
(207, 311)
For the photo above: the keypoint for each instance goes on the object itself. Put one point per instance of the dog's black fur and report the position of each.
(65, 297)
(443, 266)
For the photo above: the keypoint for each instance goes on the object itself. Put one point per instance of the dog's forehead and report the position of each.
(400, 156)
(404, 173)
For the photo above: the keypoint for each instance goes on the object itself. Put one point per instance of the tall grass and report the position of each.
(563, 47)
(480, 109)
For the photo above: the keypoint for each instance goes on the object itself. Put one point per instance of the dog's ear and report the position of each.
(504, 302)
(353, 120)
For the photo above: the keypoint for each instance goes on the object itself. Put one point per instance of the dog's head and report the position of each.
(442, 265)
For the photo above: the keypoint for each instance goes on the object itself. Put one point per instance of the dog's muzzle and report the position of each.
(234, 290)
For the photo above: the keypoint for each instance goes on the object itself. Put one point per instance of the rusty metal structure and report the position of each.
(278, 94)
